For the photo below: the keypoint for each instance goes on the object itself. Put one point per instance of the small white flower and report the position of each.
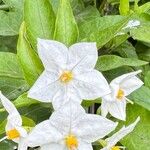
(69, 72)
(122, 86)
(70, 128)
(113, 140)
(14, 129)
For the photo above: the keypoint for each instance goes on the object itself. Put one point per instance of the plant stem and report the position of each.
(102, 5)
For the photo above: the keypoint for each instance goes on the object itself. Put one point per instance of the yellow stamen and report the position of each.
(115, 148)
(120, 94)
(13, 134)
(66, 76)
(71, 142)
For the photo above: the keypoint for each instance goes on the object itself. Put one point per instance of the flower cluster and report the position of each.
(68, 78)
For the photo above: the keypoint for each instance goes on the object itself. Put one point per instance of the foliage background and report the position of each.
(69, 22)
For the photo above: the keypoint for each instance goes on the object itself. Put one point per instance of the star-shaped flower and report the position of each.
(70, 128)
(122, 86)
(14, 129)
(69, 72)
(113, 140)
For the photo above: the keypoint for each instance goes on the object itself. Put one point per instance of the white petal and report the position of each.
(84, 146)
(131, 85)
(22, 145)
(118, 109)
(64, 95)
(66, 117)
(104, 108)
(53, 146)
(45, 87)
(93, 127)
(52, 53)
(113, 140)
(108, 98)
(117, 82)
(91, 85)
(59, 99)
(14, 116)
(83, 56)
(22, 131)
(43, 133)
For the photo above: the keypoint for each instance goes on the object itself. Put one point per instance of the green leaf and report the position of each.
(108, 62)
(102, 29)
(142, 33)
(66, 30)
(143, 51)
(2, 126)
(40, 20)
(24, 101)
(29, 60)
(114, 73)
(144, 8)
(11, 20)
(8, 44)
(12, 82)
(147, 79)
(77, 5)
(117, 41)
(126, 50)
(142, 97)
(10, 23)
(88, 14)
(27, 122)
(7, 145)
(38, 112)
(139, 138)
(14, 3)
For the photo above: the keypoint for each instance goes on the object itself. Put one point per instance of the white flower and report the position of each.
(14, 129)
(113, 140)
(70, 128)
(122, 86)
(69, 72)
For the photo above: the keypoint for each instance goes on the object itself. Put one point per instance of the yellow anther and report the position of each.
(71, 142)
(66, 76)
(13, 134)
(120, 94)
(115, 148)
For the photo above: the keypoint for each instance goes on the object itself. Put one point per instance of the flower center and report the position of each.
(13, 134)
(66, 76)
(115, 148)
(71, 142)
(120, 94)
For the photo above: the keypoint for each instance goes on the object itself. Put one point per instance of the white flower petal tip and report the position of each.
(137, 120)
(139, 71)
(124, 131)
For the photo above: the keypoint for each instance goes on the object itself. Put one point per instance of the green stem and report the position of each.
(95, 3)
(136, 5)
(124, 7)
(102, 6)
(4, 7)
